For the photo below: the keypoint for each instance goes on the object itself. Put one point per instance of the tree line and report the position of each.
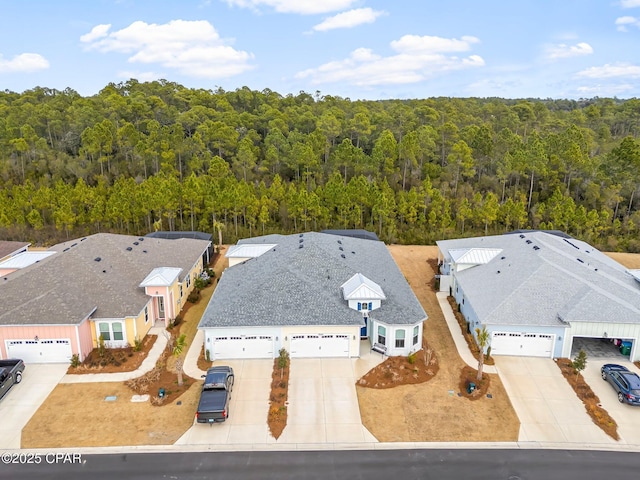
(142, 156)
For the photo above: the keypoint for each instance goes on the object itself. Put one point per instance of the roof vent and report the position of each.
(73, 244)
(141, 239)
(341, 249)
(340, 242)
(136, 243)
(83, 239)
(301, 240)
(580, 260)
(353, 252)
(301, 245)
(521, 235)
(144, 251)
(528, 242)
(301, 235)
(342, 255)
(498, 271)
(129, 249)
(502, 258)
(535, 247)
(104, 271)
(97, 259)
(65, 249)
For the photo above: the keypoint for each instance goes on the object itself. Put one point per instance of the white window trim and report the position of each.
(112, 343)
(404, 335)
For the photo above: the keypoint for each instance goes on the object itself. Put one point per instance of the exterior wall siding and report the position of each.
(235, 261)
(19, 332)
(392, 350)
(86, 339)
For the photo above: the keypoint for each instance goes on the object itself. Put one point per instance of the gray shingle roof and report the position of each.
(66, 287)
(563, 280)
(8, 247)
(289, 285)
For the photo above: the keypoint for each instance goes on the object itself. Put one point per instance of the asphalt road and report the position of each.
(328, 465)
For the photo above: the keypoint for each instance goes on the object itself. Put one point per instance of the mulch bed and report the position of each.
(470, 375)
(473, 346)
(396, 371)
(277, 417)
(590, 400)
(160, 377)
(202, 361)
(115, 359)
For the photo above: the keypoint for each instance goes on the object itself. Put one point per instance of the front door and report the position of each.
(160, 307)
(363, 330)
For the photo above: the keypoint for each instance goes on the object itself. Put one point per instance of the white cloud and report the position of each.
(349, 19)
(99, 31)
(25, 62)
(622, 23)
(612, 71)
(305, 7)
(418, 58)
(629, 3)
(429, 44)
(604, 90)
(563, 50)
(191, 47)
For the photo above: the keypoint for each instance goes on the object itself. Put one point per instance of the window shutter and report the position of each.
(359, 306)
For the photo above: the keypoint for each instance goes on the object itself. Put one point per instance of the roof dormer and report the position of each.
(362, 293)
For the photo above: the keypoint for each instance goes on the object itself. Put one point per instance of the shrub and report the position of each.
(194, 296)
(412, 358)
(137, 345)
(101, 346)
(207, 355)
(75, 360)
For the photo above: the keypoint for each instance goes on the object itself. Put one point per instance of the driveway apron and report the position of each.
(548, 408)
(23, 400)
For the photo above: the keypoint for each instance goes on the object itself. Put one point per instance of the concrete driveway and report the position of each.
(21, 402)
(547, 406)
(323, 403)
(626, 416)
(247, 423)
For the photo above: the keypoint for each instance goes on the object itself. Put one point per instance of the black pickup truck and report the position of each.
(10, 373)
(216, 395)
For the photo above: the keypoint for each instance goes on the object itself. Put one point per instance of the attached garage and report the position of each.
(316, 345)
(252, 346)
(522, 344)
(40, 350)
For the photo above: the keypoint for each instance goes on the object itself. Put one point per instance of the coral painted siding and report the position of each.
(86, 340)
(19, 332)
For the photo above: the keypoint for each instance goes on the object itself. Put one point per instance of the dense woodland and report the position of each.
(143, 156)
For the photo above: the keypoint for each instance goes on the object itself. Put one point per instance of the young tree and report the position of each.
(178, 348)
(579, 363)
(482, 337)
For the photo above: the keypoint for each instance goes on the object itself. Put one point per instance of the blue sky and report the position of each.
(361, 49)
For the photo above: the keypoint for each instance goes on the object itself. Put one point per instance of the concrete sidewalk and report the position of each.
(458, 338)
(147, 364)
(190, 366)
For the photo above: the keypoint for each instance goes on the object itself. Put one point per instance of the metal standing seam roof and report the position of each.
(248, 250)
(474, 256)
(360, 287)
(161, 277)
(24, 259)
(299, 281)
(102, 270)
(544, 279)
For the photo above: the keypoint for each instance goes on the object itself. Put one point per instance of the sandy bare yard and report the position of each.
(629, 260)
(427, 412)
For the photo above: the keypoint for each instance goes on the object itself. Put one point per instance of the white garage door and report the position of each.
(256, 346)
(57, 350)
(522, 344)
(336, 345)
